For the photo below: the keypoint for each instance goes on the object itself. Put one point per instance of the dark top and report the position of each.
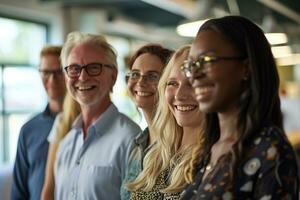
(31, 158)
(268, 170)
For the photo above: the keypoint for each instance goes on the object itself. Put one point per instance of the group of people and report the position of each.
(213, 114)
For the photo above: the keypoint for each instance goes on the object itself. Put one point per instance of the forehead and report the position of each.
(50, 61)
(147, 62)
(176, 71)
(86, 53)
(211, 41)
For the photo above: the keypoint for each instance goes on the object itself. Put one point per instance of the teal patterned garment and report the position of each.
(135, 162)
(268, 170)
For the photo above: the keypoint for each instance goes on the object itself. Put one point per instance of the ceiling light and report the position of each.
(190, 29)
(276, 38)
(290, 60)
(281, 51)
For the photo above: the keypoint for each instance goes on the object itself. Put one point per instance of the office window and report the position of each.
(21, 91)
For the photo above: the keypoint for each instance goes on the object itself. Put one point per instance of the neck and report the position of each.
(189, 136)
(55, 106)
(91, 113)
(149, 118)
(228, 126)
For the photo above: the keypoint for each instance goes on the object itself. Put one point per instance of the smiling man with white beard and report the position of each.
(91, 159)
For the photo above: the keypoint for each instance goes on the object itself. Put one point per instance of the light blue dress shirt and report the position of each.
(93, 168)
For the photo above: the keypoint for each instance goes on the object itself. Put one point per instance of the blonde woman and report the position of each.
(178, 125)
(61, 127)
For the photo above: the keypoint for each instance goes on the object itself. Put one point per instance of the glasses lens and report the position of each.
(47, 73)
(93, 69)
(73, 70)
(152, 77)
(134, 75)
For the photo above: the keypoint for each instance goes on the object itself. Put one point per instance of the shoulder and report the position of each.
(271, 138)
(123, 122)
(31, 124)
(270, 149)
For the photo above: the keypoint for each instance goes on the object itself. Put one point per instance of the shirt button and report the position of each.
(73, 193)
(77, 162)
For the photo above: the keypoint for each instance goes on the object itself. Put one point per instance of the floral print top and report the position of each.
(268, 170)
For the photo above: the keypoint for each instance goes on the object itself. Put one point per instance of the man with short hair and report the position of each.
(31, 158)
(92, 157)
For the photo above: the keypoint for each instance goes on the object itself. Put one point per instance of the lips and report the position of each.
(185, 108)
(143, 94)
(84, 88)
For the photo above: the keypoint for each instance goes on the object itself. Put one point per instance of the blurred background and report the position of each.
(27, 25)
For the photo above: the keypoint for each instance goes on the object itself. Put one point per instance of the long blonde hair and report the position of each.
(71, 110)
(166, 153)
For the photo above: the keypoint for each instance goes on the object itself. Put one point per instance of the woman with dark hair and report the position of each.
(146, 67)
(245, 153)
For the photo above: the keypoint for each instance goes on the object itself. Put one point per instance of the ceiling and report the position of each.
(172, 12)
(165, 15)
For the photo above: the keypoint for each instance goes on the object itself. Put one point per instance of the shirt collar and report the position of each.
(142, 138)
(48, 113)
(102, 123)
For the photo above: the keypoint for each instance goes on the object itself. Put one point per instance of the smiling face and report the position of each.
(90, 91)
(180, 97)
(142, 91)
(217, 88)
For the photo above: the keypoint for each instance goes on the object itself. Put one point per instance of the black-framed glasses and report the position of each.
(203, 63)
(46, 73)
(92, 69)
(151, 77)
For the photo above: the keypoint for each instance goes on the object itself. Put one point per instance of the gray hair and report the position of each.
(76, 38)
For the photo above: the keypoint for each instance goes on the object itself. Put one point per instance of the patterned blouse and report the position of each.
(267, 171)
(155, 194)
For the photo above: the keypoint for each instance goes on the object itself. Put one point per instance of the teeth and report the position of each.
(82, 88)
(185, 108)
(143, 94)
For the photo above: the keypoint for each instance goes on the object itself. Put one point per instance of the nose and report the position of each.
(83, 74)
(142, 80)
(196, 74)
(181, 93)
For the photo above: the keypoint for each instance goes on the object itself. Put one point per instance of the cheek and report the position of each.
(69, 83)
(169, 96)
(130, 87)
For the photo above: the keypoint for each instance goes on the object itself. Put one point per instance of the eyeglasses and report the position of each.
(92, 69)
(45, 73)
(203, 63)
(151, 77)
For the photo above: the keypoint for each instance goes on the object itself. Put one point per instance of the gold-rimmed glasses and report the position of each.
(189, 67)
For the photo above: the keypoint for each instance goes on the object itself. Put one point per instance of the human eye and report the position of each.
(73, 68)
(171, 83)
(153, 76)
(93, 67)
(135, 74)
